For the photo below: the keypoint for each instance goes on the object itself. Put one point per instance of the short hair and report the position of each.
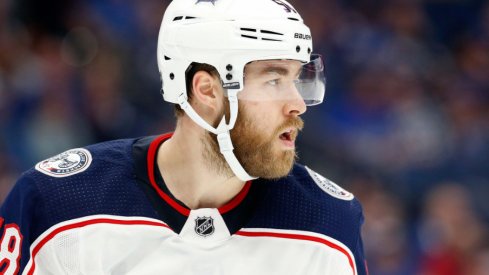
(189, 76)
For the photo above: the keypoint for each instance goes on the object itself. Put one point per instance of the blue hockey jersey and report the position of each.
(104, 209)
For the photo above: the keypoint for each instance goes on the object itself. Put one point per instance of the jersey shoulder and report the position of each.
(334, 211)
(86, 160)
(82, 173)
(78, 183)
(339, 206)
(308, 177)
(303, 189)
(93, 180)
(305, 200)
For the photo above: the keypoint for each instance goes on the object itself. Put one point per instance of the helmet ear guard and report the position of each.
(227, 34)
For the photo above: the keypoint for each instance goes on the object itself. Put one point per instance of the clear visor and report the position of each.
(284, 80)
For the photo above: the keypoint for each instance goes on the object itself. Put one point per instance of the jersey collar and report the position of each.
(235, 212)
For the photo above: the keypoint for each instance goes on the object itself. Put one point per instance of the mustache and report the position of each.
(295, 122)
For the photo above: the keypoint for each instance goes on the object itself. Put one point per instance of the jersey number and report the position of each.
(10, 245)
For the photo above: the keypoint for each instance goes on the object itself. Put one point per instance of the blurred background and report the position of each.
(405, 123)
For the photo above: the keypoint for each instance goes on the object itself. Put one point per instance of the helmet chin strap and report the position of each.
(222, 132)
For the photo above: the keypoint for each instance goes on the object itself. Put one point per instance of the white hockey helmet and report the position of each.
(228, 34)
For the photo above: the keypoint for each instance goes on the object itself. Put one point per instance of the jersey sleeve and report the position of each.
(347, 217)
(358, 251)
(18, 214)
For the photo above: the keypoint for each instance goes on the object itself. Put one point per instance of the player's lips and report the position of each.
(288, 137)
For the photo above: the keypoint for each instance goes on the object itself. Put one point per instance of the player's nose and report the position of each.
(295, 104)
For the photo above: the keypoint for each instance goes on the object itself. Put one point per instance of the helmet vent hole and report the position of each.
(298, 48)
(309, 50)
(293, 19)
(270, 32)
(269, 39)
(167, 58)
(178, 18)
(248, 30)
(229, 76)
(264, 35)
(249, 36)
(172, 76)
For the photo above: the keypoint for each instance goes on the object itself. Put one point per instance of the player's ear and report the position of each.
(207, 92)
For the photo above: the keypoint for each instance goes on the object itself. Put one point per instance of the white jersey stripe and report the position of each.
(301, 235)
(82, 222)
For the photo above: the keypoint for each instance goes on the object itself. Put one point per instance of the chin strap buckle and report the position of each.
(224, 138)
(225, 144)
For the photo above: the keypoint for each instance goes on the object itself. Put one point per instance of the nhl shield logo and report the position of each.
(65, 164)
(204, 226)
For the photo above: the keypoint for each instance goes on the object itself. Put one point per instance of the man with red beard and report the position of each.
(222, 194)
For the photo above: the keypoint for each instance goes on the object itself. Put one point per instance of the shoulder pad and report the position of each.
(330, 187)
(66, 164)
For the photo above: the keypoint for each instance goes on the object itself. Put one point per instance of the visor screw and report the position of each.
(298, 48)
(229, 67)
(229, 76)
(308, 50)
(172, 76)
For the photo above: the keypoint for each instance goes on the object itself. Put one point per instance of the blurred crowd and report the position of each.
(405, 122)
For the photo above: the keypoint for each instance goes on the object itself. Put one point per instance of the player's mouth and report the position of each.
(288, 137)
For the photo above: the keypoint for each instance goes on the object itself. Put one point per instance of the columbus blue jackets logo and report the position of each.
(330, 187)
(204, 226)
(65, 164)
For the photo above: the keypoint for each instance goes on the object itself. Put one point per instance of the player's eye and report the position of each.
(273, 82)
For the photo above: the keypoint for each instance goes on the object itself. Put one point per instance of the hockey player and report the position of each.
(222, 193)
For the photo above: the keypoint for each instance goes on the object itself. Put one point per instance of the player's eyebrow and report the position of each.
(274, 69)
(283, 71)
